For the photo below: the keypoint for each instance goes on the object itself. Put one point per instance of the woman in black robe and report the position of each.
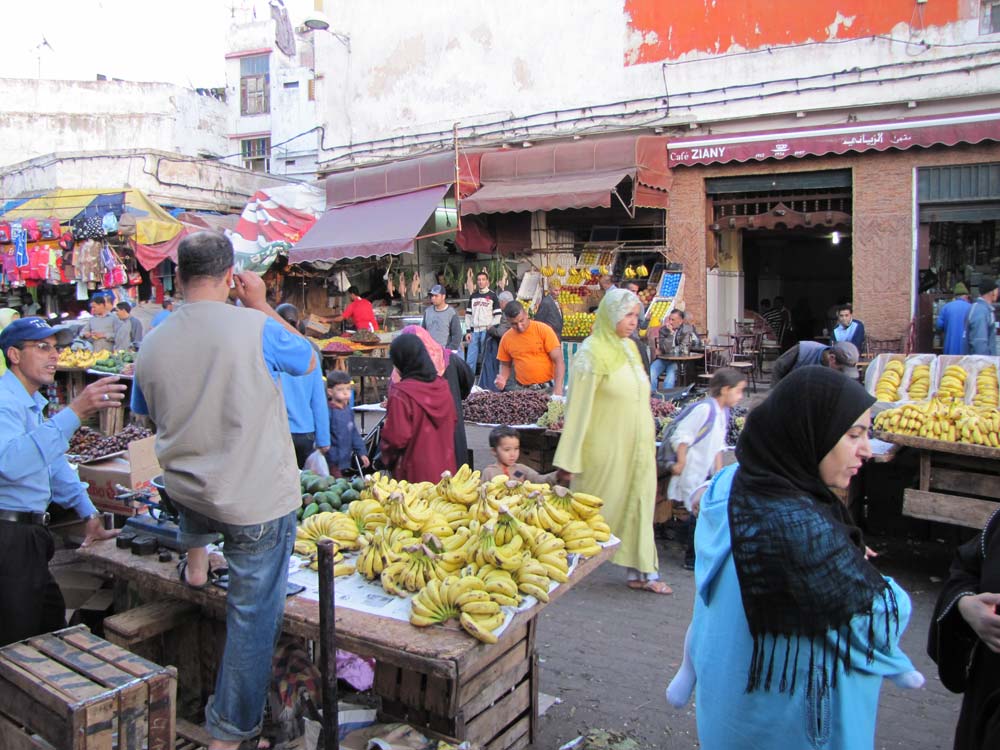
(964, 638)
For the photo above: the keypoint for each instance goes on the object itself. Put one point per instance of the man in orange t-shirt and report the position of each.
(360, 312)
(534, 350)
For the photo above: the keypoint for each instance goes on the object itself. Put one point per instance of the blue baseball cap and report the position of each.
(33, 329)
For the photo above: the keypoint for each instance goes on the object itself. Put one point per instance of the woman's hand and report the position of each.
(981, 614)
(564, 477)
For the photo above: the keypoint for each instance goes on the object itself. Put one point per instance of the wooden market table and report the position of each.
(959, 483)
(339, 359)
(682, 360)
(438, 679)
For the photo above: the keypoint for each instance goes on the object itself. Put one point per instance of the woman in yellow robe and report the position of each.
(608, 441)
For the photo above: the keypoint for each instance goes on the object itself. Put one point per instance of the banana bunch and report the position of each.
(533, 579)
(987, 391)
(920, 382)
(464, 597)
(547, 270)
(579, 538)
(550, 551)
(411, 572)
(578, 505)
(81, 358)
(462, 488)
(500, 585)
(980, 427)
(629, 272)
(406, 511)
(641, 271)
(381, 548)
(944, 419)
(503, 491)
(453, 513)
(507, 526)
(340, 568)
(337, 526)
(380, 482)
(952, 383)
(602, 532)
(482, 510)
(887, 387)
(482, 549)
(368, 515)
(437, 525)
(536, 510)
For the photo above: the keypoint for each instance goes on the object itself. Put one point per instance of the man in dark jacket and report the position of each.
(842, 356)
(549, 312)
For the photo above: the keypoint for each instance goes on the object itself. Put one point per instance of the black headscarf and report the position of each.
(409, 356)
(799, 557)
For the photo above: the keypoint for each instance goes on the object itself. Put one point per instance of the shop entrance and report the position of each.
(811, 269)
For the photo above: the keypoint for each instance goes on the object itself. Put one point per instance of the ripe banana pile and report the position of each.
(464, 548)
(887, 387)
(82, 358)
(920, 383)
(987, 391)
(952, 383)
(943, 419)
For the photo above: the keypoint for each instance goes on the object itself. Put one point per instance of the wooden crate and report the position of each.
(493, 702)
(79, 692)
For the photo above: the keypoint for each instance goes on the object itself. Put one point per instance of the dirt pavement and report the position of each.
(608, 652)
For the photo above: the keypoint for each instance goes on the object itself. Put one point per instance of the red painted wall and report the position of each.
(713, 26)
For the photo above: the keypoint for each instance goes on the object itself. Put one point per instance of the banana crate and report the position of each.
(490, 700)
(74, 691)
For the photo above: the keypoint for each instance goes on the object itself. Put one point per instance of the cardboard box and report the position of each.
(133, 470)
(317, 326)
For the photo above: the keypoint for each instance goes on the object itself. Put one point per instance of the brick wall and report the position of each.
(882, 234)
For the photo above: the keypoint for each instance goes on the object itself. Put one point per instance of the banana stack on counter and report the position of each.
(952, 383)
(887, 387)
(943, 419)
(463, 548)
(920, 383)
(987, 391)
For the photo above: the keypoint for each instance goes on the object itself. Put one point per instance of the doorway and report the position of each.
(809, 268)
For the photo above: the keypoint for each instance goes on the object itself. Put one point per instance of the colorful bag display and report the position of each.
(50, 228)
(5, 233)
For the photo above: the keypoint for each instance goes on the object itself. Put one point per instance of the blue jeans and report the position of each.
(477, 345)
(257, 556)
(662, 367)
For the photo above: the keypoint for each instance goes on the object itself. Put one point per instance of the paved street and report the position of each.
(608, 653)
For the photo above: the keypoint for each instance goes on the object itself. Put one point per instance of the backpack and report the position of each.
(5, 233)
(50, 229)
(666, 456)
(30, 226)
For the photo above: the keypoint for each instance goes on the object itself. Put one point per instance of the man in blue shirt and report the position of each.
(168, 307)
(981, 329)
(34, 472)
(848, 328)
(305, 401)
(951, 321)
(842, 356)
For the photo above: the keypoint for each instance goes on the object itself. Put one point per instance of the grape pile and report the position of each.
(554, 415)
(511, 407)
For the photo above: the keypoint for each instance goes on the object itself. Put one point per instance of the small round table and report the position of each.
(682, 361)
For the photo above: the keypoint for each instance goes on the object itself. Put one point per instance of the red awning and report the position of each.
(398, 177)
(856, 137)
(573, 174)
(592, 190)
(385, 226)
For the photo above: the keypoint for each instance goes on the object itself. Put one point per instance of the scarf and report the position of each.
(799, 557)
(438, 354)
(606, 349)
(411, 360)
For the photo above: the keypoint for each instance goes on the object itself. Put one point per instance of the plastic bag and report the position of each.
(316, 463)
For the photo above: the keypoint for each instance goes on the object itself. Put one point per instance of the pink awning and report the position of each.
(385, 226)
(407, 175)
(592, 190)
(573, 174)
(934, 130)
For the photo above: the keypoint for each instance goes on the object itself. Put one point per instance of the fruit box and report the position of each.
(972, 364)
(877, 367)
(133, 470)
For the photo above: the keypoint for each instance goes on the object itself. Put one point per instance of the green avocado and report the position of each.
(349, 496)
(310, 510)
(325, 508)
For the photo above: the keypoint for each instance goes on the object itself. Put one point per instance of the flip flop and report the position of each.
(656, 587)
(182, 569)
(636, 584)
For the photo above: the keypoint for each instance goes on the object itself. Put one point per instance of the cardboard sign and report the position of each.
(133, 470)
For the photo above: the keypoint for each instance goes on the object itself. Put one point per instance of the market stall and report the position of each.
(945, 409)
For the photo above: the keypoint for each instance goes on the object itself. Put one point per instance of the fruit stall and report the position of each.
(441, 583)
(946, 409)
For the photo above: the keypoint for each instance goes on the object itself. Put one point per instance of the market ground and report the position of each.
(607, 654)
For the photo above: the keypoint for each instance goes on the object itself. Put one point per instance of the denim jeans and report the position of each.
(477, 345)
(257, 556)
(667, 369)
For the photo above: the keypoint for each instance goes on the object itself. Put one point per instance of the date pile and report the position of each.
(512, 407)
(88, 444)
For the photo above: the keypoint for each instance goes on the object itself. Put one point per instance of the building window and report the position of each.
(256, 154)
(255, 85)
(990, 18)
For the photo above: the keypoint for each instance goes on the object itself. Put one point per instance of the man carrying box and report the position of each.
(34, 472)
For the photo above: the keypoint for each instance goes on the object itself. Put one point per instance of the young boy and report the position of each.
(506, 446)
(345, 439)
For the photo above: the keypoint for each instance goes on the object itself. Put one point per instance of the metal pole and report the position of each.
(327, 646)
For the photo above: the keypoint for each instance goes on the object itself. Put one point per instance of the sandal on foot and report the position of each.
(182, 574)
(636, 584)
(657, 587)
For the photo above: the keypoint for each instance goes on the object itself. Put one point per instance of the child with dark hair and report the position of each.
(506, 446)
(345, 438)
